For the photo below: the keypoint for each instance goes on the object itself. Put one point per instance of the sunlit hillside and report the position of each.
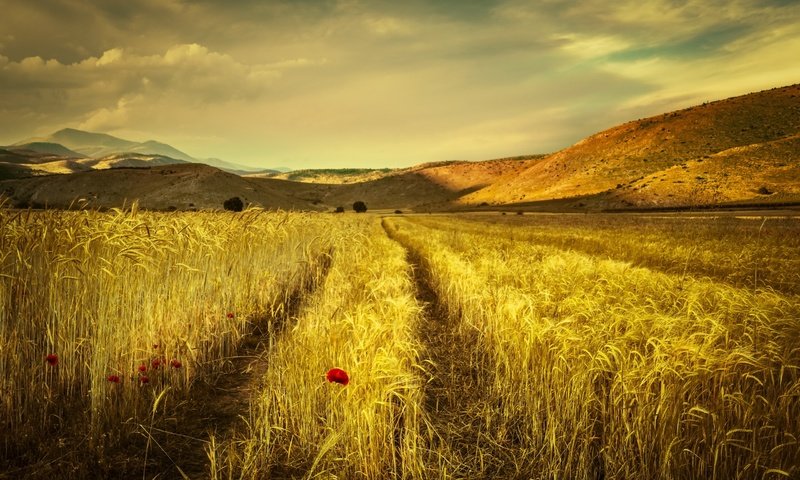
(764, 124)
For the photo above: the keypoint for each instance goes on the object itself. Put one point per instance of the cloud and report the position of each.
(110, 119)
(348, 82)
(103, 90)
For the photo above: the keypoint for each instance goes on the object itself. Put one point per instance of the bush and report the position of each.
(339, 210)
(764, 191)
(398, 212)
(233, 204)
(360, 207)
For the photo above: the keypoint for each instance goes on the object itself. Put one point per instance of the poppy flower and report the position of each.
(143, 368)
(144, 380)
(113, 378)
(175, 363)
(156, 363)
(337, 375)
(52, 359)
(155, 346)
(230, 315)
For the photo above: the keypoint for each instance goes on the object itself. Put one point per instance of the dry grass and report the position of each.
(110, 292)
(363, 320)
(551, 347)
(746, 252)
(603, 370)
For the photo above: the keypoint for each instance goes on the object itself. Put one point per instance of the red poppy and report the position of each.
(175, 363)
(337, 375)
(113, 378)
(52, 359)
(230, 315)
(155, 346)
(143, 379)
(143, 368)
(156, 363)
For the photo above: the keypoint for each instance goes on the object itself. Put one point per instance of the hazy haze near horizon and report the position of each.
(316, 84)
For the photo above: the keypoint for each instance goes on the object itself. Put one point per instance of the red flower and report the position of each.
(230, 315)
(337, 375)
(52, 359)
(155, 346)
(143, 367)
(175, 363)
(143, 379)
(156, 363)
(113, 378)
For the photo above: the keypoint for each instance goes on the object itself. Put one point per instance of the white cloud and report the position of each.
(110, 119)
(109, 57)
(354, 82)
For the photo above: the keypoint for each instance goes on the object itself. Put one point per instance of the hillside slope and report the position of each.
(187, 186)
(758, 173)
(638, 149)
(183, 186)
(102, 145)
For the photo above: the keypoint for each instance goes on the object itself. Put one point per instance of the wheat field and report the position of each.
(472, 346)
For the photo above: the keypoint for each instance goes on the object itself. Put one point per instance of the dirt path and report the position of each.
(219, 405)
(454, 398)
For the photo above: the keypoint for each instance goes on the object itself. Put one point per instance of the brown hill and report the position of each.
(740, 150)
(334, 176)
(187, 186)
(642, 148)
(183, 186)
(431, 186)
(766, 172)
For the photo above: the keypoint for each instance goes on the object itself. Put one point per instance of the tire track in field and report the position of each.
(218, 405)
(453, 394)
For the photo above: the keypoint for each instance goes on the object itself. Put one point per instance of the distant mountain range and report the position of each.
(742, 151)
(29, 157)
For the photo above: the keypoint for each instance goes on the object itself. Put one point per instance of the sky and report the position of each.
(348, 83)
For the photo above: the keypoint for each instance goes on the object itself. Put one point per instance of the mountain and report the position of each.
(654, 147)
(739, 151)
(166, 187)
(189, 186)
(101, 145)
(48, 148)
(128, 160)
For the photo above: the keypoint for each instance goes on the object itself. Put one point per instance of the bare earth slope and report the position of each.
(183, 186)
(641, 148)
(189, 186)
(766, 172)
(735, 151)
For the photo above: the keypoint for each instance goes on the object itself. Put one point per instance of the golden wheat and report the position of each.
(594, 346)
(362, 319)
(597, 368)
(110, 293)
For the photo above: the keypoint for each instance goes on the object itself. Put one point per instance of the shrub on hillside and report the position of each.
(339, 210)
(233, 204)
(360, 207)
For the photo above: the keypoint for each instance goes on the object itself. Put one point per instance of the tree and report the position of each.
(360, 207)
(339, 210)
(233, 204)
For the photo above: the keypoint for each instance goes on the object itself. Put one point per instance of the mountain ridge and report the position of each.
(643, 147)
(741, 150)
(100, 145)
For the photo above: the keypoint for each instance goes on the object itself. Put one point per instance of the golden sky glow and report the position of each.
(315, 84)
